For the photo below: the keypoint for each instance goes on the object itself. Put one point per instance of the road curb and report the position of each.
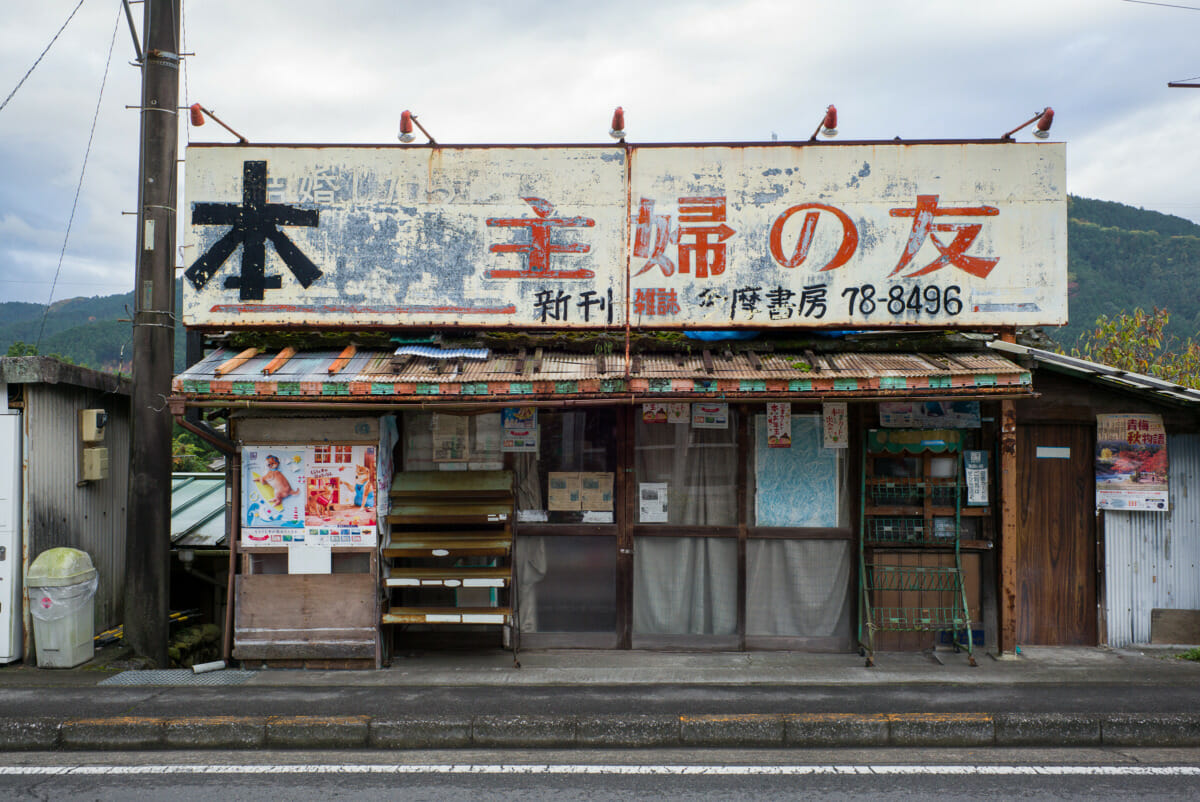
(793, 730)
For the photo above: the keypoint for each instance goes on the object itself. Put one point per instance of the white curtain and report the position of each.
(684, 586)
(798, 588)
(699, 467)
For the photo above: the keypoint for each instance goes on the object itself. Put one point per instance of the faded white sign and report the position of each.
(754, 236)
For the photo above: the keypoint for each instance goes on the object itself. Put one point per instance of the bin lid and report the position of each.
(57, 567)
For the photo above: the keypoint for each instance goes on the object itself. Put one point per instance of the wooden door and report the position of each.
(1056, 535)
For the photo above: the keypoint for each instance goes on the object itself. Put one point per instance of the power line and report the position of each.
(1164, 5)
(74, 204)
(39, 58)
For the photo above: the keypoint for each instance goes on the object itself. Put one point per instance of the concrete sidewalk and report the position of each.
(565, 698)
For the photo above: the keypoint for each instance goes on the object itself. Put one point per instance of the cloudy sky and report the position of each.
(541, 72)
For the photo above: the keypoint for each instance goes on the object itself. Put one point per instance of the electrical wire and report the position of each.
(82, 171)
(39, 58)
(1164, 5)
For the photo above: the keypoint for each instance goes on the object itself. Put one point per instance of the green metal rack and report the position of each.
(903, 517)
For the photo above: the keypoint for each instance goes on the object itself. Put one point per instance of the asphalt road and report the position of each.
(669, 774)
(384, 701)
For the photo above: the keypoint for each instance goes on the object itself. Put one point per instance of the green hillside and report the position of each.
(95, 331)
(1119, 258)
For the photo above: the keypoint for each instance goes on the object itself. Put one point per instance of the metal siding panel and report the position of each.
(91, 517)
(1153, 559)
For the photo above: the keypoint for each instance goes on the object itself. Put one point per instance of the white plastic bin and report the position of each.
(60, 586)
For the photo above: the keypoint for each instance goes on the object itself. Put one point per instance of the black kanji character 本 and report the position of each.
(253, 223)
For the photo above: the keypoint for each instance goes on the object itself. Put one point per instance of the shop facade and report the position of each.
(634, 488)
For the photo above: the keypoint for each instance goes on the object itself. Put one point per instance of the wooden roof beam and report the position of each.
(280, 360)
(230, 365)
(343, 359)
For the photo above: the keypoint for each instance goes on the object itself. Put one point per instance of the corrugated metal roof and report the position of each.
(197, 509)
(556, 374)
(1104, 374)
(434, 352)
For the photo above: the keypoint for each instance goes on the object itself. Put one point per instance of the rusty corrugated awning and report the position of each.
(374, 375)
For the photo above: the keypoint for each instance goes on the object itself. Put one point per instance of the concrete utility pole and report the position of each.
(148, 536)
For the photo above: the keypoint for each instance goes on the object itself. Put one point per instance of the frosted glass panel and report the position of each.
(567, 584)
(684, 586)
(798, 588)
(797, 486)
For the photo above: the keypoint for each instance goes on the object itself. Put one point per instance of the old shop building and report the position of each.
(539, 455)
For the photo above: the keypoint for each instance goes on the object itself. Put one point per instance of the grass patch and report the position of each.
(1190, 654)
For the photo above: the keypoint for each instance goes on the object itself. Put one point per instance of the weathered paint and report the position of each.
(887, 234)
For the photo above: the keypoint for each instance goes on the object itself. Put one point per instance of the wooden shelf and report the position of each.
(448, 615)
(460, 576)
(451, 539)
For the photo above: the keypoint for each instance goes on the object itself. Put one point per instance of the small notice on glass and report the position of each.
(833, 424)
(564, 491)
(710, 416)
(977, 478)
(450, 438)
(654, 412)
(779, 424)
(652, 503)
(596, 491)
(679, 412)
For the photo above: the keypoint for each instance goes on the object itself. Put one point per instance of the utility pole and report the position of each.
(148, 535)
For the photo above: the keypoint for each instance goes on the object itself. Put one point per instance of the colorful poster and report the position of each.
(342, 486)
(835, 425)
(520, 440)
(1131, 463)
(779, 424)
(679, 412)
(518, 417)
(273, 487)
(654, 412)
(706, 415)
(563, 491)
(929, 414)
(596, 491)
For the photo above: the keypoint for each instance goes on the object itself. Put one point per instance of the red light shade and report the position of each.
(1042, 129)
(830, 121)
(618, 124)
(406, 126)
(197, 114)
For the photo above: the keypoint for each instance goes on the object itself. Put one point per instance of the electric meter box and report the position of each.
(91, 425)
(95, 464)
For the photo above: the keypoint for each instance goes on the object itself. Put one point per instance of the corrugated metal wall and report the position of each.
(58, 512)
(1153, 559)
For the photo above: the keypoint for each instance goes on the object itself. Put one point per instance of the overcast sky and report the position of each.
(544, 72)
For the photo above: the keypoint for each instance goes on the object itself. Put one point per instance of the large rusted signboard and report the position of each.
(970, 235)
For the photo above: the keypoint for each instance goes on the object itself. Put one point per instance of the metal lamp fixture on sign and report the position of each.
(1043, 118)
(407, 121)
(196, 112)
(617, 131)
(828, 125)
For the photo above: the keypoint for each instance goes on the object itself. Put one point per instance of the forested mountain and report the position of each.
(1119, 258)
(95, 331)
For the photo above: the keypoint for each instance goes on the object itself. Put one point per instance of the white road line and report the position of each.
(520, 768)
